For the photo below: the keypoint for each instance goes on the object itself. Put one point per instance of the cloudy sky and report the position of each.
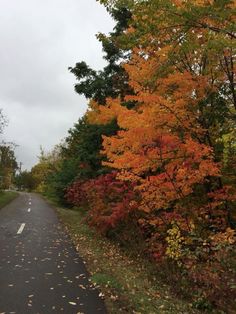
(39, 40)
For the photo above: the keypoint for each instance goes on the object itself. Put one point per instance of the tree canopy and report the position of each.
(154, 156)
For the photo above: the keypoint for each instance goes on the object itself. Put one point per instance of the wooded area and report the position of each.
(152, 164)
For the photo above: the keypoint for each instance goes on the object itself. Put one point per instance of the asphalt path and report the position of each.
(40, 271)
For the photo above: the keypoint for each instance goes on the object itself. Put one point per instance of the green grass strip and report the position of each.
(6, 197)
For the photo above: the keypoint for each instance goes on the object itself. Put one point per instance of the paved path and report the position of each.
(40, 271)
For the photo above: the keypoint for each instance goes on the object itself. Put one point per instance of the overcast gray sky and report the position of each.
(39, 40)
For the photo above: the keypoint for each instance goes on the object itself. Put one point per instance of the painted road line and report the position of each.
(21, 229)
(29, 210)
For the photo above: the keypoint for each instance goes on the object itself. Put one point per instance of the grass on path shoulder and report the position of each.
(6, 197)
(128, 284)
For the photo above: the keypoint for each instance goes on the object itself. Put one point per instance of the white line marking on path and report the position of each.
(29, 210)
(21, 229)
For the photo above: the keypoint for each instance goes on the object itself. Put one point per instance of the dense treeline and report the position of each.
(153, 161)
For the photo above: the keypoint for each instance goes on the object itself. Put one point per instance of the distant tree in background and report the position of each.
(8, 163)
(25, 181)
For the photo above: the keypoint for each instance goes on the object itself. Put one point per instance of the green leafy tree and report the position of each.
(79, 156)
(8, 165)
(112, 81)
(25, 180)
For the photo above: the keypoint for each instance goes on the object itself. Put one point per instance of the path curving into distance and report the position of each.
(40, 271)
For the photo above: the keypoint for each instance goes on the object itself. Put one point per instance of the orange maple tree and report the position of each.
(178, 71)
(175, 135)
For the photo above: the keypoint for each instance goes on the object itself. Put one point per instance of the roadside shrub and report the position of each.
(108, 200)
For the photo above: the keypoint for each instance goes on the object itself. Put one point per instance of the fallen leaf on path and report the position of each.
(82, 287)
(72, 303)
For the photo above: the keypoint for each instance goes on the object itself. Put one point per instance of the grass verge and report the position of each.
(6, 197)
(128, 284)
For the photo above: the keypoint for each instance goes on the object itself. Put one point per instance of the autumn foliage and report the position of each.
(169, 160)
(109, 201)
